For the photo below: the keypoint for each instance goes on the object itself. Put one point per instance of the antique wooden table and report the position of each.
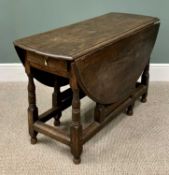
(102, 58)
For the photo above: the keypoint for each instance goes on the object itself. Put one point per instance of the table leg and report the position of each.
(130, 110)
(56, 102)
(145, 81)
(32, 109)
(76, 127)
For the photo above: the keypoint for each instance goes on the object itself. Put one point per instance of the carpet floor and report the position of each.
(129, 145)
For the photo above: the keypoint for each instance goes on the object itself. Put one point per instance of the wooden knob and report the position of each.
(46, 63)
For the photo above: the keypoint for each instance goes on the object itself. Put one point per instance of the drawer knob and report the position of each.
(46, 63)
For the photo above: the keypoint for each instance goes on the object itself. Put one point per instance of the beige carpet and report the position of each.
(129, 145)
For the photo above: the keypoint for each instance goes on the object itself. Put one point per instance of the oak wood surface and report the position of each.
(75, 40)
(115, 68)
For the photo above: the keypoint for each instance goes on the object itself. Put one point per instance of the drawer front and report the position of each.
(60, 67)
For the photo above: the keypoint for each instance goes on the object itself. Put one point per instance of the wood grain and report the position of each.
(115, 69)
(75, 40)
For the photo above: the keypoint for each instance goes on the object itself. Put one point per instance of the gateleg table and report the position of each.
(102, 58)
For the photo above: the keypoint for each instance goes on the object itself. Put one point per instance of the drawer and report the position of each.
(52, 65)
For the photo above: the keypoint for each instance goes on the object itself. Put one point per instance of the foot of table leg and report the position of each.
(56, 122)
(76, 145)
(144, 98)
(76, 160)
(32, 117)
(33, 140)
(130, 110)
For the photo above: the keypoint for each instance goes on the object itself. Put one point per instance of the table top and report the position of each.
(71, 42)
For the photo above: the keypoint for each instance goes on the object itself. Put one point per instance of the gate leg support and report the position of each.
(145, 81)
(56, 102)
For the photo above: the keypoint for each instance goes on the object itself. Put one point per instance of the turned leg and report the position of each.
(76, 127)
(56, 102)
(130, 110)
(145, 81)
(32, 109)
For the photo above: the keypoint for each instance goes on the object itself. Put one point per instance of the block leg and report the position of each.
(98, 113)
